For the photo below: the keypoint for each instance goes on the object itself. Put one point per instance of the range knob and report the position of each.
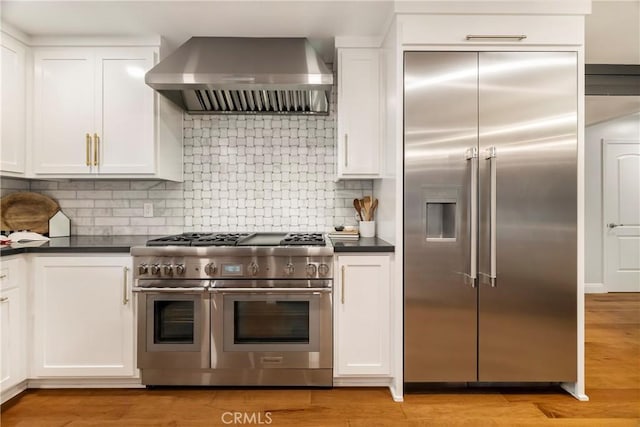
(210, 269)
(253, 268)
(289, 269)
(179, 269)
(167, 270)
(311, 270)
(323, 269)
(155, 269)
(143, 269)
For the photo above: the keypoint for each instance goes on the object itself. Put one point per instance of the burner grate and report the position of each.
(219, 239)
(303, 239)
(236, 239)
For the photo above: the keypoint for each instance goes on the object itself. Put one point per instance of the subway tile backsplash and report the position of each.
(269, 173)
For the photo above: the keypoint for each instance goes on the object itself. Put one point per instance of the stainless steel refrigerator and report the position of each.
(490, 209)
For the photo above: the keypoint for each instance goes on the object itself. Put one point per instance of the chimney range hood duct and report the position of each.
(234, 75)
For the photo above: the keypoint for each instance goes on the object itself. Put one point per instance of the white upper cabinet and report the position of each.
(359, 113)
(486, 29)
(13, 122)
(126, 106)
(94, 115)
(63, 111)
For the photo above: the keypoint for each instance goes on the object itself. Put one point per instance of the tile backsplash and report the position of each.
(264, 173)
(269, 173)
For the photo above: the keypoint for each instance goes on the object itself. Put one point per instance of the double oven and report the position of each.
(262, 317)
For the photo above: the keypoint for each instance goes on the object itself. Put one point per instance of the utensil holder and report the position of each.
(367, 228)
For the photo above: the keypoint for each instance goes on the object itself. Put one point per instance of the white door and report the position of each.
(621, 189)
(13, 122)
(83, 317)
(361, 316)
(63, 110)
(124, 111)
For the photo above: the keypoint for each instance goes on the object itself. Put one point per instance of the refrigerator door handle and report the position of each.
(472, 154)
(491, 156)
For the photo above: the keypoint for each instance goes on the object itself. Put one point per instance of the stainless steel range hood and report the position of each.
(233, 75)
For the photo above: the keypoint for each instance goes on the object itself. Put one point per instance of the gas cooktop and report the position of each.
(240, 239)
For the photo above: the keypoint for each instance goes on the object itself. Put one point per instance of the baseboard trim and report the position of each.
(573, 390)
(362, 382)
(85, 383)
(595, 288)
(11, 392)
(397, 396)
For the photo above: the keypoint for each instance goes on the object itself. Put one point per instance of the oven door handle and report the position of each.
(269, 290)
(169, 290)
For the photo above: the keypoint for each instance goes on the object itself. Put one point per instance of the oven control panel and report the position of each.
(271, 267)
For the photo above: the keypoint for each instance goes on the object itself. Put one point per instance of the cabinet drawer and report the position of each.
(450, 30)
(11, 273)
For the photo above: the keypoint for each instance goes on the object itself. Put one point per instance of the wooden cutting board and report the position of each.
(27, 211)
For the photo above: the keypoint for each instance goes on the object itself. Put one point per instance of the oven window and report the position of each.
(271, 322)
(174, 322)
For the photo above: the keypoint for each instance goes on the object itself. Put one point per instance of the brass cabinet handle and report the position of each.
(88, 139)
(125, 296)
(96, 150)
(343, 275)
(4, 299)
(2, 276)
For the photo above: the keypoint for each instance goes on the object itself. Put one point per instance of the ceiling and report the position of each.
(176, 21)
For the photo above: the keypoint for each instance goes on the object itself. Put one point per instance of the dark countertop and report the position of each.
(81, 244)
(364, 244)
(123, 244)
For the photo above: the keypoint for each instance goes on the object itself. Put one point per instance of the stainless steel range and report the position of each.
(235, 309)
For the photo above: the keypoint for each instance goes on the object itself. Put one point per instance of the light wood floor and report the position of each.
(613, 385)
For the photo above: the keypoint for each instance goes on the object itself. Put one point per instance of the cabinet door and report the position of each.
(124, 111)
(13, 134)
(63, 110)
(362, 323)
(359, 119)
(12, 344)
(83, 317)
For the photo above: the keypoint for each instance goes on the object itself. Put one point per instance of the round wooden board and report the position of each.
(27, 211)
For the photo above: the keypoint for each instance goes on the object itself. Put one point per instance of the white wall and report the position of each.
(627, 128)
(612, 33)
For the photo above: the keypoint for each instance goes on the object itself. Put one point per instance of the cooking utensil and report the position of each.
(373, 209)
(366, 202)
(27, 211)
(358, 208)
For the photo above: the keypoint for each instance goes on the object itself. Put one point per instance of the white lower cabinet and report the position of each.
(362, 320)
(13, 364)
(83, 317)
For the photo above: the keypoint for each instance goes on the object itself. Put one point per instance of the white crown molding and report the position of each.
(358, 41)
(11, 31)
(466, 7)
(51, 41)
